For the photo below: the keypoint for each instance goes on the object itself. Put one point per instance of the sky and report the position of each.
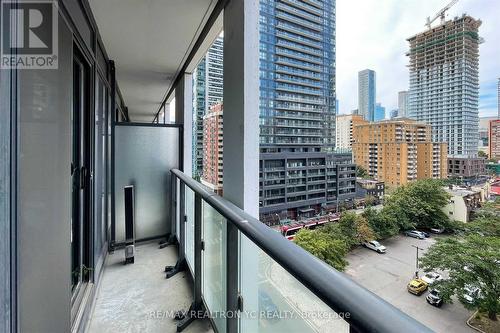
(372, 34)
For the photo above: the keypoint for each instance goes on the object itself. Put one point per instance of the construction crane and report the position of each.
(440, 14)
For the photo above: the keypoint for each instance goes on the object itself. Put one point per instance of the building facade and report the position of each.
(444, 83)
(379, 112)
(367, 92)
(398, 151)
(461, 203)
(213, 126)
(370, 188)
(494, 139)
(461, 167)
(343, 129)
(394, 113)
(498, 99)
(207, 91)
(403, 103)
(298, 167)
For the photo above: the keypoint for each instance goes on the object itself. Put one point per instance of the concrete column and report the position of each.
(241, 150)
(184, 115)
(241, 104)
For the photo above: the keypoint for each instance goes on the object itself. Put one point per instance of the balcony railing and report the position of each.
(241, 266)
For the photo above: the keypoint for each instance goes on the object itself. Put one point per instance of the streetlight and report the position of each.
(416, 264)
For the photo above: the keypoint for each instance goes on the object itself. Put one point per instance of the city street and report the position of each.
(388, 274)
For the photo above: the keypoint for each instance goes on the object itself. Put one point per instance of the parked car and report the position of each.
(437, 230)
(433, 298)
(471, 293)
(417, 287)
(426, 234)
(375, 246)
(431, 277)
(415, 234)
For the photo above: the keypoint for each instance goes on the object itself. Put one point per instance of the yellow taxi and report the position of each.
(417, 286)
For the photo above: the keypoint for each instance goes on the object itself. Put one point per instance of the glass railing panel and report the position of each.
(274, 301)
(214, 264)
(189, 227)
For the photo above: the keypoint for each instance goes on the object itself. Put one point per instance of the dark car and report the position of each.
(433, 298)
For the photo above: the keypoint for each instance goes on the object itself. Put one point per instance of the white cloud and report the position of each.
(372, 34)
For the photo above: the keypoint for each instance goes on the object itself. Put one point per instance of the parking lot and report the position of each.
(388, 274)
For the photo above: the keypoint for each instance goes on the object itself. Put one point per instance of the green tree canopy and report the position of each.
(382, 224)
(418, 204)
(355, 228)
(361, 172)
(470, 261)
(322, 245)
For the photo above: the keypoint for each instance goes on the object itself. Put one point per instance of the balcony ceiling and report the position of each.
(149, 41)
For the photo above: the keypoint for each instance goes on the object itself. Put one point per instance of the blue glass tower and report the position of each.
(379, 112)
(367, 94)
(298, 167)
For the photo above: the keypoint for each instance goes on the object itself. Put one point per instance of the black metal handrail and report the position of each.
(367, 311)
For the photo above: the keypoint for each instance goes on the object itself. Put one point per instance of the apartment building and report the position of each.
(494, 139)
(343, 129)
(444, 83)
(298, 108)
(367, 92)
(213, 125)
(207, 91)
(398, 151)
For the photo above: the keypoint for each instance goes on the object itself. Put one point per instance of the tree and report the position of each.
(355, 229)
(418, 204)
(382, 224)
(471, 261)
(370, 200)
(481, 153)
(325, 247)
(361, 172)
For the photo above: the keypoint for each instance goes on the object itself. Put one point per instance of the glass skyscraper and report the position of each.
(379, 112)
(207, 91)
(367, 93)
(300, 174)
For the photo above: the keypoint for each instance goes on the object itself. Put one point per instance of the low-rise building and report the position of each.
(462, 167)
(369, 189)
(461, 203)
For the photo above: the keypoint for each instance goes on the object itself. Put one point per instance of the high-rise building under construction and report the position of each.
(444, 83)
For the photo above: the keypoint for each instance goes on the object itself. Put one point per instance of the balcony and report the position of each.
(117, 114)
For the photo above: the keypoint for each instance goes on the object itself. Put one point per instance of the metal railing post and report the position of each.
(233, 299)
(197, 251)
(173, 203)
(182, 222)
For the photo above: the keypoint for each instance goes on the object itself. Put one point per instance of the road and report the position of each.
(388, 274)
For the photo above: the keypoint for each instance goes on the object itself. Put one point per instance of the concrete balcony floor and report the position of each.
(137, 297)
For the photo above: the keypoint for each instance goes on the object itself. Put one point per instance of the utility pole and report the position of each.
(416, 264)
